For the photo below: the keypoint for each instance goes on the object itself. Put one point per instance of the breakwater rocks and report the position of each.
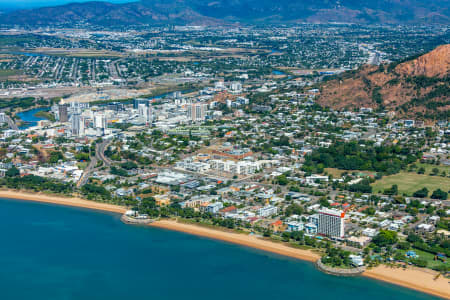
(339, 271)
(129, 220)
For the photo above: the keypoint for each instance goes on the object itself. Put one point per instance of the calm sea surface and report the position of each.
(54, 252)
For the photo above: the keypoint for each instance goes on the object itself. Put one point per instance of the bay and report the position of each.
(55, 252)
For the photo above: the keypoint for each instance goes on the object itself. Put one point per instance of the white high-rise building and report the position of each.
(3, 118)
(142, 110)
(197, 112)
(77, 124)
(236, 87)
(331, 222)
(145, 112)
(149, 115)
(100, 121)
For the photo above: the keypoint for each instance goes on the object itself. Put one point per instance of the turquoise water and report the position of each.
(29, 117)
(278, 72)
(54, 252)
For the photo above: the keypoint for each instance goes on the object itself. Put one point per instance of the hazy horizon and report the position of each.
(23, 4)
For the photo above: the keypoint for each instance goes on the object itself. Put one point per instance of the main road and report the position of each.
(11, 123)
(99, 156)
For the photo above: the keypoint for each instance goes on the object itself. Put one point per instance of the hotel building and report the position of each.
(331, 222)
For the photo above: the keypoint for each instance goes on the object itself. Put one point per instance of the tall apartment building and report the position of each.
(63, 114)
(3, 118)
(331, 222)
(149, 115)
(139, 101)
(197, 112)
(77, 125)
(100, 121)
(146, 113)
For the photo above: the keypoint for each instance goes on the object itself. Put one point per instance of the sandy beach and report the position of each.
(240, 239)
(61, 200)
(409, 278)
(413, 279)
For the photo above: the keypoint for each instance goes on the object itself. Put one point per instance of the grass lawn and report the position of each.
(82, 165)
(410, 182)
(431, 263)
(9, 72)
(337, 173)
(429, 167)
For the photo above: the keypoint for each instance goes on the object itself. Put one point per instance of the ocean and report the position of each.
(54, 252)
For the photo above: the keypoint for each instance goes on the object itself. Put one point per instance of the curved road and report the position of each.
(99, 156)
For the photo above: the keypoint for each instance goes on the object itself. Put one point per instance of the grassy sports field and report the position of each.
(408, 183)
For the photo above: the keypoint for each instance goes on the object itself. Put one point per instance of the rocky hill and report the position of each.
(218, 11)
(418, 87)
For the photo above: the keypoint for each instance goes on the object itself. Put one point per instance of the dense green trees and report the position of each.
(12, 172)
(36, 183)
(385, 238)
(422, 193)
(439, 194)
(93, 191)
(55, 156)
(361, 187)
(336, 257)
(363, 156)
(129, 165)
(82, 156)
(13, 103)
(392, 191)
(119, 171)
(282, 180)
(293, 209)
(370, 211)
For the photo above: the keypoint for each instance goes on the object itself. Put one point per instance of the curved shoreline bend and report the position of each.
(237, 238)
(410, 278)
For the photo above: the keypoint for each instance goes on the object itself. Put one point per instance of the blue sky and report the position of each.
(15, 4)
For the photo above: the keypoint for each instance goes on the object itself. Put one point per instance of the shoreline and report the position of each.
(413, 279)
(409, 278)
(239, 239)
(62, 200)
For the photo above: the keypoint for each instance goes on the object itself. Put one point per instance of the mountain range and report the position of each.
(418, 87)
(243, 11)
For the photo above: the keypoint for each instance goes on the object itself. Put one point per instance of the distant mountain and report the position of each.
(104, 13)
(417, 88)
(218, 11)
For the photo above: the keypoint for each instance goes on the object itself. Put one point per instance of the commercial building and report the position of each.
(240, 167)
(295, 226)
(267, 211)
(214, 208)
(100, 121)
